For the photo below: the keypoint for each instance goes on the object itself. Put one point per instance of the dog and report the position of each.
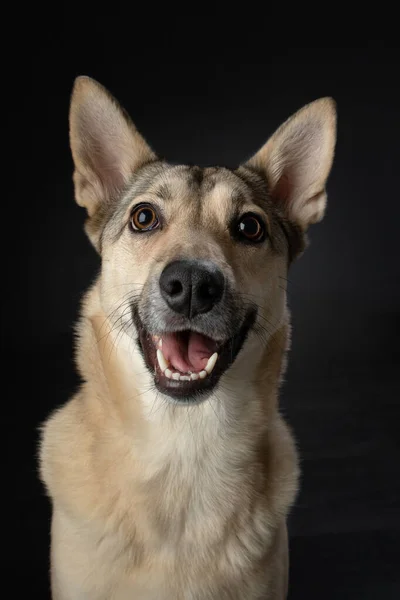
(171, 472)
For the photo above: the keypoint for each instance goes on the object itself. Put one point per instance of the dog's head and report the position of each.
(194, 260)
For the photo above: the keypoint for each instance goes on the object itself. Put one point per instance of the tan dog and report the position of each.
(171, 471)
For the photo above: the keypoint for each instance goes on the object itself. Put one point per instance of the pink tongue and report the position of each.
(187, 351)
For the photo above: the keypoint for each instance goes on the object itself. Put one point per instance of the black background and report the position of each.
(342, 387)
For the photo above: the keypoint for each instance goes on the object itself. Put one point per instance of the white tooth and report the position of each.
(160, 343)
(161, 361)
(184, 378)
(168, 373)
(176, 376)
(211, 362)
(194, 376)
(203, 374)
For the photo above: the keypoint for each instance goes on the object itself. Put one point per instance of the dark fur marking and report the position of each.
(197, 176)
(163, 192)
(295, 238)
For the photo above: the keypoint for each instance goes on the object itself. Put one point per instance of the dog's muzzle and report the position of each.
(191, 327)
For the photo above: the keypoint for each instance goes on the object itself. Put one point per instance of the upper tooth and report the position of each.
(211, 363)
(161, 360)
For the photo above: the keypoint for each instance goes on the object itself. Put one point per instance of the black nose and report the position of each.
(191, 287)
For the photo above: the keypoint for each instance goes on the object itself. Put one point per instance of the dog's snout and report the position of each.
(191, 287)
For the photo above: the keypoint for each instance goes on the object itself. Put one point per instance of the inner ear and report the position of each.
(297, 160)
(282, 190)
(106, 146)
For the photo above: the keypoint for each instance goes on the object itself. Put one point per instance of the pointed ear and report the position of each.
(106, 147)
(297, 161)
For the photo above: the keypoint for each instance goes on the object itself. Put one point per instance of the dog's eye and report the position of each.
(251, 228)
(144, 218)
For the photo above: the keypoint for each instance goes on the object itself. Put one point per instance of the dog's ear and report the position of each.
(297, 160)
(106, 147)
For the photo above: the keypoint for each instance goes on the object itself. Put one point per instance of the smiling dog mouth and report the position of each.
(186, 355)
(188, 364)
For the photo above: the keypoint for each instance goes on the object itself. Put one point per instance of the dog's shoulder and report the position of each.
(65, 451)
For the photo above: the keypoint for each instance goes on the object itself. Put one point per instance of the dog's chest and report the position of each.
(194, 519)
(186, 503)
(171, 550)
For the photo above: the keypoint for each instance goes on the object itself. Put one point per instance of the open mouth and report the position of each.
(187, 364)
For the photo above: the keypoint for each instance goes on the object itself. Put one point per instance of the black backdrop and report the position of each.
(342, 387)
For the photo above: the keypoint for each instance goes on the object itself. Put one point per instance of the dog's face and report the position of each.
(194, 260)
(200, 258)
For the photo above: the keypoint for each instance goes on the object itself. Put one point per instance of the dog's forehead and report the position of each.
(190, 183)
(193, 184)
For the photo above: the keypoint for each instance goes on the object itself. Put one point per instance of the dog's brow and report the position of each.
(163, 192)
(238, 197)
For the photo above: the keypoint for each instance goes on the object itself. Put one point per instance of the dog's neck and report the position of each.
(243, 404)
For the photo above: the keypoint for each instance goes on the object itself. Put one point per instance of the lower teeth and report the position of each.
(164, 366)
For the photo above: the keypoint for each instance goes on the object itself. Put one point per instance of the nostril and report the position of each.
(206, 291)
(174, 288)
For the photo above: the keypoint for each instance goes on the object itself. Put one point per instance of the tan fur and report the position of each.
(153, 500)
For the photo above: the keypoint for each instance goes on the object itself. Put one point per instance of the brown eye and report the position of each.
(251, 228)
(144, 218)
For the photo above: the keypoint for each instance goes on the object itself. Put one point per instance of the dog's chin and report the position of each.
(187, 365)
